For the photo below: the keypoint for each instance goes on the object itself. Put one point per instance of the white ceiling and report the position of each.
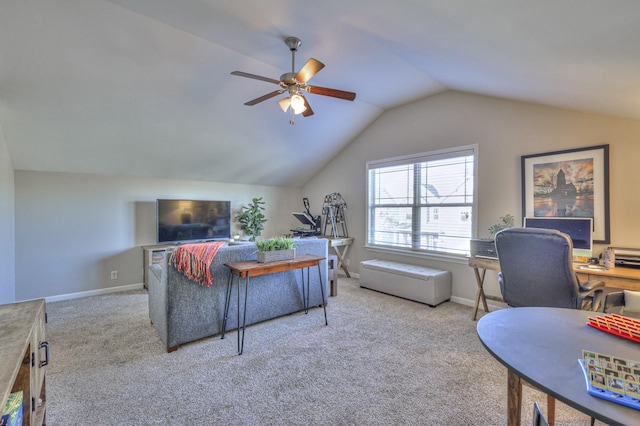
(143, 87)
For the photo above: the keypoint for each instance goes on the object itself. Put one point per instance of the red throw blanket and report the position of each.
(194, 261)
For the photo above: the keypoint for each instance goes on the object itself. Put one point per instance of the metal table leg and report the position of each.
(324, 304)
(244, 314)
(227, 300)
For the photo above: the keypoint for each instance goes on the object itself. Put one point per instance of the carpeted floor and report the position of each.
(381, 361)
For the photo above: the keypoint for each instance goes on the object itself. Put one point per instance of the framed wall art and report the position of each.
(569, 183)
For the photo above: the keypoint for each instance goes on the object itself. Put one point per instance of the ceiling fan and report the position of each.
(295, 83)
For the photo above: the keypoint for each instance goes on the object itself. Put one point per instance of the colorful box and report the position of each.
(12, 413)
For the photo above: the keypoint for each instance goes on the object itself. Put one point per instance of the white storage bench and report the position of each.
(425, 285)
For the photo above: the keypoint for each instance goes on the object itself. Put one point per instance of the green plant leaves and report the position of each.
(506, 221)
(273, 244)
(251, 219)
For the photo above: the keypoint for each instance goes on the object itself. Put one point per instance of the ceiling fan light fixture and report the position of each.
(284, 104)
(297, 104)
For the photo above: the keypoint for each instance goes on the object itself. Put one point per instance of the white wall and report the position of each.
(504, 131)
(7, 224)
(72, 230)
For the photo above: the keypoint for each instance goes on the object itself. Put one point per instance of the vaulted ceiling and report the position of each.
(143, 87)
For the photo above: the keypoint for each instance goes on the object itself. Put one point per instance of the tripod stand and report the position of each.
(333, 211)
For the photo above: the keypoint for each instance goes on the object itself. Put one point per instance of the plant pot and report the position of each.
(276, 255)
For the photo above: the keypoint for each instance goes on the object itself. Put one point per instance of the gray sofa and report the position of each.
(183, 311)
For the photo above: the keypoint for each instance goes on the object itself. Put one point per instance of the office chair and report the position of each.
(625, 303)
(536, 269)
(538, 417)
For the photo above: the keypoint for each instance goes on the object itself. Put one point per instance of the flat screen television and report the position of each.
(192, 220)
(580, 230)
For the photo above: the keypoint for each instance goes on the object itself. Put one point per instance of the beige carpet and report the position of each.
(381, 361)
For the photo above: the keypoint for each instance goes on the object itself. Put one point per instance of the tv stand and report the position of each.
(152, 255)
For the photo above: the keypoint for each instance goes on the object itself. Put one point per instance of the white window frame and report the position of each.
(419, 158)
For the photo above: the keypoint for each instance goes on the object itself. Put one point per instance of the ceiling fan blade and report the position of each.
(307, 112)
(335, 93)
(264, 97)
(255, 77)
(308, 70)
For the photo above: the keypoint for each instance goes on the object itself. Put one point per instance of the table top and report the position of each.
(339, 241)
(254, 269)
(543, 346)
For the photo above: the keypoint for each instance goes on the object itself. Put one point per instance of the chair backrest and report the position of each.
(538, 417)
(536, 268)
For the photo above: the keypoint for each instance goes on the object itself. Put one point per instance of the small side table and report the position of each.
(480, 266)
(343, 242)
(332, 266)
(252, 268)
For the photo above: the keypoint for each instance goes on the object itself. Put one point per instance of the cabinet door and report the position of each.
(152, 256)
(40, 356)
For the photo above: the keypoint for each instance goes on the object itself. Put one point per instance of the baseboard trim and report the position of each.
(493, 305)
(93, 292)
(353, 274)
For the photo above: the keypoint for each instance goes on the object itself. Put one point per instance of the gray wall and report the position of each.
(72, 230)
(504, 130)
(7, 225)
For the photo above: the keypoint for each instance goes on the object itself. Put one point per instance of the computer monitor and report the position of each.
(580, 229)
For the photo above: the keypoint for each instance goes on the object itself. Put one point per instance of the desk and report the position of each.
(345, 243)
(252, 268)
(480, 266)
(542, 346)
(619, 278)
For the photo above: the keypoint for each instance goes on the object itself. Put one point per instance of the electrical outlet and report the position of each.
(346, 261)
(114, 275)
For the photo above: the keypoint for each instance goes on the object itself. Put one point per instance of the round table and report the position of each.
(542, 346)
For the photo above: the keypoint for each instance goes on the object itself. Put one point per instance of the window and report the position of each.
(423, 203)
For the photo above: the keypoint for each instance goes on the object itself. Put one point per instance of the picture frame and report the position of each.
(569, 183)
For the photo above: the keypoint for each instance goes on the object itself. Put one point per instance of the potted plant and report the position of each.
(486, 247)
(506, 221)
(251, 219)
(274, 249)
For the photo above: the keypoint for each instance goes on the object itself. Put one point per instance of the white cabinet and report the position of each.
(152, 255)
(24, 355)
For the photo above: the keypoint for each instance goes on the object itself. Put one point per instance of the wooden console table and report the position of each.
(619, 278)
(252, 268)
